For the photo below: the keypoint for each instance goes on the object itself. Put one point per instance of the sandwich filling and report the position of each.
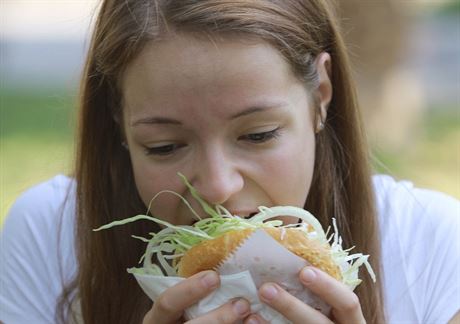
(171, 245)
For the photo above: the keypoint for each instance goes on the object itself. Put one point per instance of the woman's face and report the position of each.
(229, 115)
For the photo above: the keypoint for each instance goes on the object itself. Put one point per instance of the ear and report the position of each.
(324, 90)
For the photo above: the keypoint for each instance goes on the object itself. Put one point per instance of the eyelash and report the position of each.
(163, 150)
(262, 137)
(256, 138)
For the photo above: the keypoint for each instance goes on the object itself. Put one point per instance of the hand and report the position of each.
(170, 305)
(345, 304)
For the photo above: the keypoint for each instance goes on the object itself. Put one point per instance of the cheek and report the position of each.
(290, 171)
(149, 181)
(143, 179)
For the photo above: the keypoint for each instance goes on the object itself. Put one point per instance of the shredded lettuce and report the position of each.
(170, 243)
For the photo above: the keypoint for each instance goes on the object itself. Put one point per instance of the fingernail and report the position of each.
(252, 320)
(268, 291)
(307, 275)
(210, 280)
(241, 306)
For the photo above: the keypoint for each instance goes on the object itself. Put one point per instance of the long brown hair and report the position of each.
(341, 188)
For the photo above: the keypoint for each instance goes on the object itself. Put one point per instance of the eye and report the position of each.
(262, 136)
(163, 149)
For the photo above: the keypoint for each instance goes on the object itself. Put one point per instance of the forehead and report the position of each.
(205, 71)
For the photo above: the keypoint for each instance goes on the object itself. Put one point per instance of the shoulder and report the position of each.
(390, 192)
(418, 229)
(37, 251)
(41, 208)
(413, 215)
(44, 197)
(402, 202)
(42, 216)
(39, 214)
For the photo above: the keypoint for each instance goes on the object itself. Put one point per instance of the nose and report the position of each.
(217, 177)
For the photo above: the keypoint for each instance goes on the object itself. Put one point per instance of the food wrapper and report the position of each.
(259, 259)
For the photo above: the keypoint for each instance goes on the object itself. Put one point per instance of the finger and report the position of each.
(290, 307)
(170, 306)
(345, 304)
(230, 312)
(255, 319)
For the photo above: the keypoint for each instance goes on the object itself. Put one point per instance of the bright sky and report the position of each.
(44, 20)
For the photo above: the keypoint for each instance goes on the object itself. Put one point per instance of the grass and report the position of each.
(36, 139)
(36, 143)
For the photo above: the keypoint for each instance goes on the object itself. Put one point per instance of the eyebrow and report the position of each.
(156, 120)
(165, 120)
(253, 110)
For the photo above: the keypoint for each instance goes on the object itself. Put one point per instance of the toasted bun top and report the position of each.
(210, 254)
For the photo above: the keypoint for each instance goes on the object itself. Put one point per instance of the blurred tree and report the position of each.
(390, 95)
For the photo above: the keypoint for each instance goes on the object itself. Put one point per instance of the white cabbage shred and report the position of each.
(170, 243)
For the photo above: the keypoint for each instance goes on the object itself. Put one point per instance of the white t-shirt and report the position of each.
(420, 232)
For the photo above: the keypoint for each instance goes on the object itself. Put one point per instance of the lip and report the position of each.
(244, 213)
(241, 213)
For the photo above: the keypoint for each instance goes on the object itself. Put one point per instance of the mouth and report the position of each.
(284, 219)
(241, 214)
(244, 214)
(250, 215)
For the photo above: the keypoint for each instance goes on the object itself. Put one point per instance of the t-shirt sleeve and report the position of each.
(421, 252)
(31, 280)
(441, 278)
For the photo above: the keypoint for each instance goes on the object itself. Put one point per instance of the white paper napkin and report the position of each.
(259, 259)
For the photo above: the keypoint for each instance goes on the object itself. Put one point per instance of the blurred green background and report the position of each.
(37, 118)
(36, 139)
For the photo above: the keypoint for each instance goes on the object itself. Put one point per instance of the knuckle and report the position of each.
(226, 318)
(194, 290)
(351, 305)
(288, 308)
(285, 304)
(163, 305)
(227, 314)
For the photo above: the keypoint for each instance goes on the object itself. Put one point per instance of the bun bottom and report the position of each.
(210, 254)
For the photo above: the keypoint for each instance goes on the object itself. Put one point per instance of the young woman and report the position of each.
(253, 102)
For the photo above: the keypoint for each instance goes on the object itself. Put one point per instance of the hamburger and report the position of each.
(184, 250)
(210, 254)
